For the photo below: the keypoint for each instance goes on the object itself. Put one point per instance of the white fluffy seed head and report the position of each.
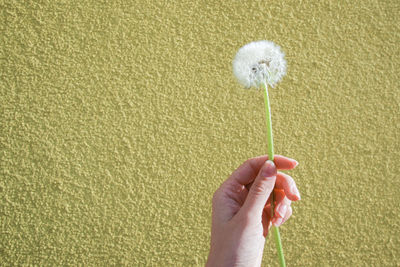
(259, 62)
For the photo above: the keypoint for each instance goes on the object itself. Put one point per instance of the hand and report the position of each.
(241, 210)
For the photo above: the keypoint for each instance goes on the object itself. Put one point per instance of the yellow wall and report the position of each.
(120, 119)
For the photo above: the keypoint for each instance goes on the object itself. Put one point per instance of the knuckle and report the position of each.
(232, 187)
(290, 182)
(259, 187)
(287, 202)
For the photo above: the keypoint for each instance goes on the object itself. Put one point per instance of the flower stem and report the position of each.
(270, 142)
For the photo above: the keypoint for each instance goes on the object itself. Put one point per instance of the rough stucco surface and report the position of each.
(120, 119)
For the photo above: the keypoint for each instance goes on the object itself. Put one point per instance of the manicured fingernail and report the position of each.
(278, 222)
(281, 210)
(295, 162)
(295, 192)
(269, 169)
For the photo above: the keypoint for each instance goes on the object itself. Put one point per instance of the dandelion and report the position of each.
(259, 64)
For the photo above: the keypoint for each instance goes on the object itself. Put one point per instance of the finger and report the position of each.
(285, 182)
(267, 208)
(266, 222)
(248, 171)
(279, 221)
(281, 204)
(266, 217)
(235, 192)
(261, 189)
(243, 195)
(281, 207)
(279, 195)
(288, 214)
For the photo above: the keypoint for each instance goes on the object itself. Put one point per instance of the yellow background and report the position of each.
(119, 119)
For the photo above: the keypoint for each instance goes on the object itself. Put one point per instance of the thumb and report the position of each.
(261, 189)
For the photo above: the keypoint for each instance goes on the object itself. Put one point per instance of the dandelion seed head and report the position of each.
(259, 62)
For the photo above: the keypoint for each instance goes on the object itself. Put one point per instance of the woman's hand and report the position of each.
(241, 214)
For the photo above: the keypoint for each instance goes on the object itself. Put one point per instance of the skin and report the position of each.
(241, 210)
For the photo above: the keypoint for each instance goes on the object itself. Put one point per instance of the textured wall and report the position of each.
(120, 119)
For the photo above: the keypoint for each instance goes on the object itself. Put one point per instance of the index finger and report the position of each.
(248, 171)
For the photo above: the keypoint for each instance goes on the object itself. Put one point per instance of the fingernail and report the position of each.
(295, 192)
(295, 162)
(278, 222)
(269, 169)
(281, 209)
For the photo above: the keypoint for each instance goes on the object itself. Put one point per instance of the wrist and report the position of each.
(215, 260)
(216, 257)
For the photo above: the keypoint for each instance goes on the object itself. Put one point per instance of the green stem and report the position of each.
(271, 157)
(269, 124)
(279, 246)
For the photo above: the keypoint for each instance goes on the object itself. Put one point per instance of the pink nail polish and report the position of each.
(278, 222)
(295, 163)
(295, 192)
(281, 209)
